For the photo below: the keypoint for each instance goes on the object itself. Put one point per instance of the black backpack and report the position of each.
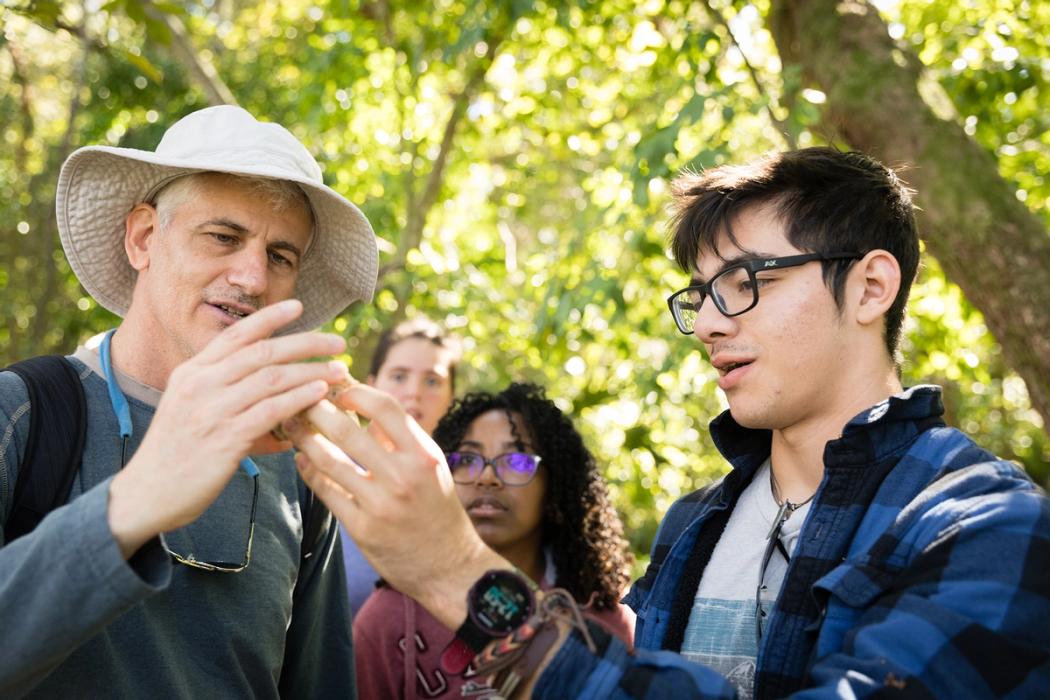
(57, 425)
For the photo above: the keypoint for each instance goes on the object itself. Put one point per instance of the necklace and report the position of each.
(775, 488)
(786, 507)
(773, 543)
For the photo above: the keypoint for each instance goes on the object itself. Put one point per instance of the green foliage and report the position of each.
(991, 59)
(537, 230)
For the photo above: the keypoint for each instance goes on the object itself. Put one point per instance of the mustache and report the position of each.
(727, 346)
(232, 296)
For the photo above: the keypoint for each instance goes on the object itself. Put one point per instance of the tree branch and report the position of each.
(771, 101)
(988, 242)
(417, 216)
(25, 103)
(47, 233)
(201, 72)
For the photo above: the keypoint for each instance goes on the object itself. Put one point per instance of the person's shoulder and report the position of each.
(977, 493)
(12, 389)
(995, 483)
(14, 404)
(383, 604)
(964, 469)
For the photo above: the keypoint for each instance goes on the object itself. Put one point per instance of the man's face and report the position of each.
(224, 253)
(777, 363)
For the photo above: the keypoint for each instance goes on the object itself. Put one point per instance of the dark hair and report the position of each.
(580, 526)
(419, 327)
(830, 202)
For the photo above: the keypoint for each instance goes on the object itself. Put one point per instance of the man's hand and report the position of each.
(217, 406)
(399, 505)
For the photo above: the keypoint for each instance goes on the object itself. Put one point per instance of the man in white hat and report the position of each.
(177, 565)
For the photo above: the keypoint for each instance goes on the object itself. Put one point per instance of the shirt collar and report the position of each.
(871, 434)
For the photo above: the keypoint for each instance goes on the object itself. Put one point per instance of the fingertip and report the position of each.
(289, 307)
(318, 388)
(336, 344)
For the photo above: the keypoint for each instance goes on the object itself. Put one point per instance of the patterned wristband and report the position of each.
(516, 657)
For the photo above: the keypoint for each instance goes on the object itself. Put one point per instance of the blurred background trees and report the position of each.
(515, 157)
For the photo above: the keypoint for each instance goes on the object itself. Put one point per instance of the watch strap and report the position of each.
(469, 641)
(470, 638)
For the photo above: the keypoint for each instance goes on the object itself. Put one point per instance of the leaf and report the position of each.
(45, 12)
(144, 65)
(157, 30)
(135, 11)
(171, 8)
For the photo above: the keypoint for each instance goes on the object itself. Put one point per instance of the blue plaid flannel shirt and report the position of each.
(923, 570)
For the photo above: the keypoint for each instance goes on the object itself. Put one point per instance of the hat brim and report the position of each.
(99, 185)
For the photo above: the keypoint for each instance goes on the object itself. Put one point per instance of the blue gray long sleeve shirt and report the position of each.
(923, 569)
(79, 621)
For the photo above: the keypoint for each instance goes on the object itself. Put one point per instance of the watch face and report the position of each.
(500, 602)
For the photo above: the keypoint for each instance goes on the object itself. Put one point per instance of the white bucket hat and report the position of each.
(99, 185)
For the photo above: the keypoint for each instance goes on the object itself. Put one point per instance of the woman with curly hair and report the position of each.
(534, 493)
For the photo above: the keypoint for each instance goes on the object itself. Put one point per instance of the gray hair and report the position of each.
(281, 195)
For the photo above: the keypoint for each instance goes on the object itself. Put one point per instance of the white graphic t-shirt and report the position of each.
(721, 630)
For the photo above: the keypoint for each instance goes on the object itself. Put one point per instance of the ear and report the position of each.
(139, 227)
(875, 280)
(371, 380)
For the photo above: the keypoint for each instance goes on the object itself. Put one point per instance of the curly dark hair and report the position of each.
(580, 525)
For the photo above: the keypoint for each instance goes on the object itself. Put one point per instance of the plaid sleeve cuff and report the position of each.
(616, 673)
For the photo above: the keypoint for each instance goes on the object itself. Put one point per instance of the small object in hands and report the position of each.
(336, 389)
(333, 391)
(498, 603)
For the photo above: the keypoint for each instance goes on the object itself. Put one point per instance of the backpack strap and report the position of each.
(57, 426)
(315, 524)
(316, 520)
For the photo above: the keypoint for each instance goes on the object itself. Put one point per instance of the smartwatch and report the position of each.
(498, 603)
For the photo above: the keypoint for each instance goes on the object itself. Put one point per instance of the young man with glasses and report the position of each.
(857, 548)
(175, 567)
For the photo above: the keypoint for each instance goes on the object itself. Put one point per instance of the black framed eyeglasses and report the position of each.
(734, 290)
(220, 566)
(511, 468)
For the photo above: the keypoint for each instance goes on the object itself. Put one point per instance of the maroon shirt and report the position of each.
(386, 667)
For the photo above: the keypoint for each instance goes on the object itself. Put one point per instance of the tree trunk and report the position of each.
(988, 242)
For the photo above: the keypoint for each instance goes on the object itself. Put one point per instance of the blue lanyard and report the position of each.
(123, 412)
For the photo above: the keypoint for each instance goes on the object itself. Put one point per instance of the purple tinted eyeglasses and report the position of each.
(511, 468)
